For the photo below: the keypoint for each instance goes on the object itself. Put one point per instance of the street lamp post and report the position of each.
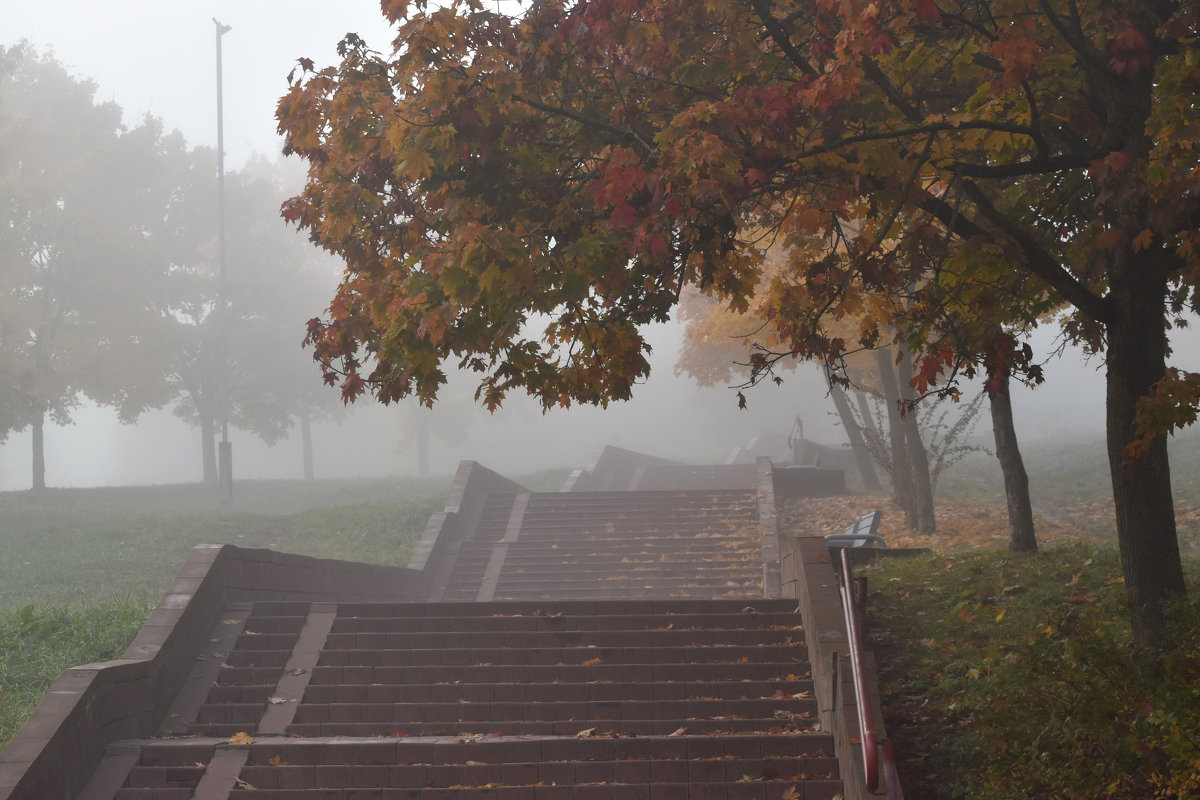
(225, 447)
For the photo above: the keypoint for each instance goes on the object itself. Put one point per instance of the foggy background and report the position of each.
(158, 58)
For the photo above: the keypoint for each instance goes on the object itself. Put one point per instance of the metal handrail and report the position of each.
(853, 597)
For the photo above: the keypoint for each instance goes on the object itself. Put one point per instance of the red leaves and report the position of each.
(1020, 56)
(1129, 52)
(352, 387)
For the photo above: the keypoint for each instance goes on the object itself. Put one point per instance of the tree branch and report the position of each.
(1036, 258)
(781, 37)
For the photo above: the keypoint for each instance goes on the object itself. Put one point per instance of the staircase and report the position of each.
(608, 645)
(611, 545)
(515, 699)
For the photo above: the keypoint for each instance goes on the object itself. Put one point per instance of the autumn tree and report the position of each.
(77, 206)
(521, 193)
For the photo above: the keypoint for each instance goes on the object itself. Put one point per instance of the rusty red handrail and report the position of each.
(852, 595)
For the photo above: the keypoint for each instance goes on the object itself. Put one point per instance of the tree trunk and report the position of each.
(862, 455)
(918, 456)
(307, 445)
(1021, 538)
(208, 448)
(864, 410)
(39, 448)
(1145, 510)
(902, 480)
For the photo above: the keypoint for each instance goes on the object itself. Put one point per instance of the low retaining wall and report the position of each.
(808, 482)
(435, 554)
(53, 755)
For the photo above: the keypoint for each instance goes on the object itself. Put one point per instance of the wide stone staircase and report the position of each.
(591, 699)
(575, 644)
(554, 545)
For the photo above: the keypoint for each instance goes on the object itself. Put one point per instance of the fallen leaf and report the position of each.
(241, 737)
(276, 761)
(592, 661)
(679, 732)
(276, 700)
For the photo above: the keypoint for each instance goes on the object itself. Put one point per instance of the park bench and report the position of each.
(863, 533)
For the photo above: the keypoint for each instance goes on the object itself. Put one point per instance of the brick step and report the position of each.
(574, 608)
(613, 591)
(226, 713)
(648, 537)
(252, 640)
(577, 673)
(455, 640)
(276, 659)
(612, 587)
(775, 620)
(156, 793)
(607, 562)
(542, 773)
(179, 776)
(452, 692)
(276, 624)
(610, 710)
(742, 790)
(248, 676)
(490, 749)
(674, 573)
(625, 727)
(558, 655)
(240, 693)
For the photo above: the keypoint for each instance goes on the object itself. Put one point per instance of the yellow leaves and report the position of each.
(276, 761)
(240, 738)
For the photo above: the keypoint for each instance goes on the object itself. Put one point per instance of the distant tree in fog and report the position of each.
(275, 281)
(78, 202)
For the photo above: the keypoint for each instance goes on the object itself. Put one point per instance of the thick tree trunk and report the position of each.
(1021, 538)
(862, 455)
(902, 480)
(39, 449)
(208, 448)
(307, 445)
(921, 481)
(1145, 510)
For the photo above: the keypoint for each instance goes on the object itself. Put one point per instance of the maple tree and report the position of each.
(75, 215)
(522, 192)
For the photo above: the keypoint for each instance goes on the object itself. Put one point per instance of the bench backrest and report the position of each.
(862, 533)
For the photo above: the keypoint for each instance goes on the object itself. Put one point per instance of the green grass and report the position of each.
(36, 645)
(76, 547)
(1009, 676)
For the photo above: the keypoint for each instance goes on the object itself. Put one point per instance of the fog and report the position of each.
(157, 58)
(668, 416)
